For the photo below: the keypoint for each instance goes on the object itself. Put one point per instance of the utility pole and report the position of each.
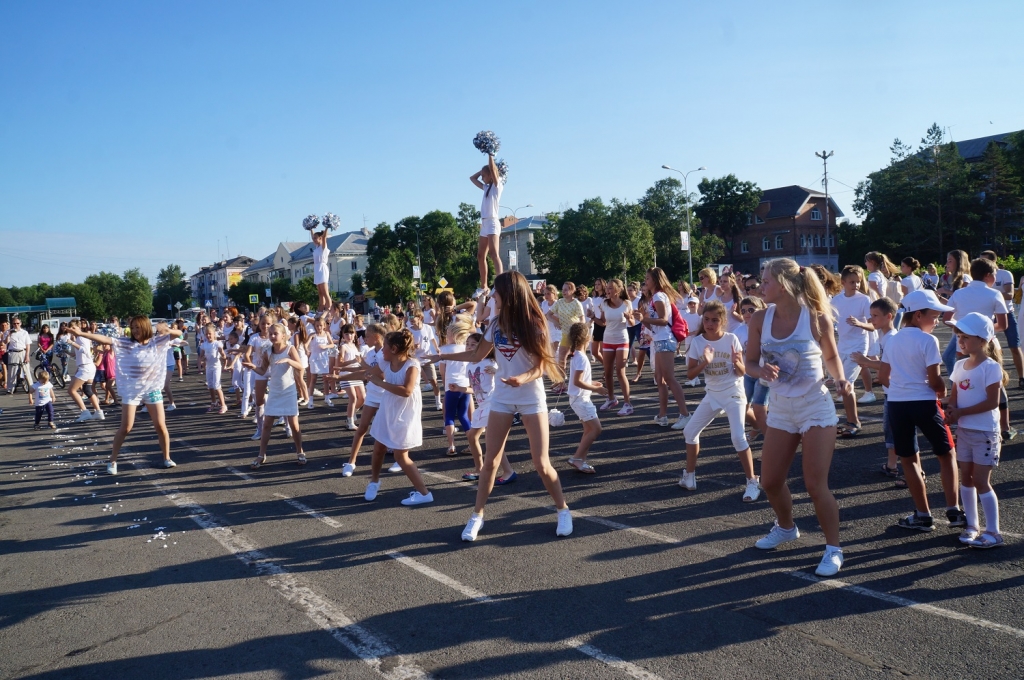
(824, 156)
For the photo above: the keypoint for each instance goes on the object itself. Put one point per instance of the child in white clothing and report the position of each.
(42, 396)
(211, 359)
(580, 388)
(321, 270)
(481, 381)
(974, 406)
(852, 310)
(719, 355)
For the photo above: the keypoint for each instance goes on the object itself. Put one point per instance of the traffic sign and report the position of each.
(438, 291)
(423, 286)
(209, 303)
(415, 271)
(684, 239)
(178, 305)
(254, 299)
(268, 292)
(443, 282)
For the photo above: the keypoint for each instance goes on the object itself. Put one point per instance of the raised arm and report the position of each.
(476, 180)
(94, 337)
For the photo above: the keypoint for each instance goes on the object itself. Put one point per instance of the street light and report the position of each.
(515, 232)
(689, 251)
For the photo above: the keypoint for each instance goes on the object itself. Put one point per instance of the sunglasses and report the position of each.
(747, 310)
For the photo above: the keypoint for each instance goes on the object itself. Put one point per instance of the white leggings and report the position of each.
(248, 388)
(733, 403)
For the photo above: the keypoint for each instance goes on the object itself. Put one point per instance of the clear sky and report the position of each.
(141, 133)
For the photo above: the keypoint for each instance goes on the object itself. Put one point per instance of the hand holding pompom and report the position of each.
(487, 142)
(310, 222)
(331, 221)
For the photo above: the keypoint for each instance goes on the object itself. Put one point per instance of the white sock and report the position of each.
(969, 495)
(990, 504)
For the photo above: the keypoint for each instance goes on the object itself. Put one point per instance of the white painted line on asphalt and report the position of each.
(630, 669)
(321, 611)
(911, 604)
(468, 591)
(302, 507)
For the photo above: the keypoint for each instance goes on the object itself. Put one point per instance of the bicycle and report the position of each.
(46, 365)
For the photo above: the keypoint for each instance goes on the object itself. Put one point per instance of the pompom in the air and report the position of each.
(502, 169)
(310, 222)
(487, 142)
(331, 221)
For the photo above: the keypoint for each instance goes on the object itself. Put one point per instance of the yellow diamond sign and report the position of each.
(443, 282)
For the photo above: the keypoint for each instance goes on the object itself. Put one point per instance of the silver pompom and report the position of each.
(487, 142)
(331, 221)
(502, 169)
(311, 222)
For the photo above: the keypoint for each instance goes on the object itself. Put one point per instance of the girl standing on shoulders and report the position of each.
(399, 426)
(795, 338)
(658, 317)
(974, 406)
(719, 355)
(140, 360)
(490, 180)
(519, 336)
(281, 401)
(321, 270)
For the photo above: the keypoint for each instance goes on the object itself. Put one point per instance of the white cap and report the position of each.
(977, 325)
(923, 299)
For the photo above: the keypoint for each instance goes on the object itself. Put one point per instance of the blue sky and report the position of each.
(140, 134)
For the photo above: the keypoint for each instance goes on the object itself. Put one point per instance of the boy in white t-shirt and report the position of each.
(425, 340)
(1004, 285)
(692, 319)
(977, 296)
(852, 311)
(581, 386)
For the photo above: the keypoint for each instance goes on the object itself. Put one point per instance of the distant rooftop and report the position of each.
(973, 149)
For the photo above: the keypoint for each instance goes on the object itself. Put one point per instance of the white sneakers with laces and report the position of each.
(753, 490)
(83, 417)
(169, 463)
(777, 536)
(688, 481)
(347, 469)
(99, 415)
(661, 421)
(564, 523)
(416, 498)
(395, 467)
(112, 468)
(831, 561)
(476, 522)
(681, 422)
(371, 491)
(868, 398)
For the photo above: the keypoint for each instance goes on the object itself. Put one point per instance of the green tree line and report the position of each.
(100, 296)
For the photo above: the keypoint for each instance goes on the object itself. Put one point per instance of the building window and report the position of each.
(766, 244)
(815, 214)
(817, 240)
(778, 243)
(757, 218)
(1014, 238)
(355, 265)
(749, 220)
(832, 241)
(744, 247)
(803, 241)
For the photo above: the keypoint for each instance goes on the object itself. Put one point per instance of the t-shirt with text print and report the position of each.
(719, 375)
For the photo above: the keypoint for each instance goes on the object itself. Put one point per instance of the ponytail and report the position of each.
(802, 283)
(995, 353)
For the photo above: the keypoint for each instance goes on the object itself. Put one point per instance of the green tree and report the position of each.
(305, 291)
(1001, 195)
(664, 206)
(108, 286)
(630, 244)
(726, 203)
(171, 282)
(280, 289)
(6, 299)
(240, 292)
(134, 295)
(390, 260)
(89, 301)
(444, 247)
(357, 284)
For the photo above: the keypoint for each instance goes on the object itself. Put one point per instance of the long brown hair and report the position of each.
(443, 315)
(663, 285)
(520, 318)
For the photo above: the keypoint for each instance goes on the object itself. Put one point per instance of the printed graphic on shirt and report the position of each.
(506, 346)
(964, 384)
(786, 356)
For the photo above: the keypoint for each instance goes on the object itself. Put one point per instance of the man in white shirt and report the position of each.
(1004, 285)
(976, 296)
(18, 345)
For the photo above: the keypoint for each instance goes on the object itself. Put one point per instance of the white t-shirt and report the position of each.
(580, 363)
(882, 341)
(320, 254)
(260, 352)
(852, 338)
(491, 200)
(139, 369)
(659, 333)
(588, 311)
(212, 352)
(719, 375)
(512, 360)
(481, 379)
(909, 353)
(455, 371)
(912, 282)
(971, 385)
(976, 296)
(83, 353)
(1005, 278)
(428, 317)
(43, 393)
(374, 357)
(616, 328)
(875, 281)
(742, 334)
(424, 339)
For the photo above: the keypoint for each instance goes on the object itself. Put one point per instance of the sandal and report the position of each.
(847, 431)
(258, 462)
(890, 471)
(987, 540)
(471, 476)
(300, 459)
(582, 466)
(451, 451)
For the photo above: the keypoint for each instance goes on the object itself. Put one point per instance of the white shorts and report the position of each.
(489, 226)
(798, 414)
(528, 408)
(733, 403)
(851, 371)
(480, 415)
(86, 372)
(213, 377)
(975, 446)
(371, 402)
(583, 408)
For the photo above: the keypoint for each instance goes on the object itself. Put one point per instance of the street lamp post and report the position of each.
(689, 251)
(515, 231)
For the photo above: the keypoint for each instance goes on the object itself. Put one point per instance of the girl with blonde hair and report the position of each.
(658, 316)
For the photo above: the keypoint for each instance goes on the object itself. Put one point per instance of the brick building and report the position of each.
(789, 222)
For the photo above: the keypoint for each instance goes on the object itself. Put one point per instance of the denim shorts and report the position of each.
(669, 345)
(1012, 333)
(755, 391)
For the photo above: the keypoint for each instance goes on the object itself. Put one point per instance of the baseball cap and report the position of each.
(977, 325)
(923, 299)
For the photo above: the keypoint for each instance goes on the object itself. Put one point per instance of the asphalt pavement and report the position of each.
(211, 569)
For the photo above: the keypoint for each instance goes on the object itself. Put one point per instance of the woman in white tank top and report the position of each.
(795, 338)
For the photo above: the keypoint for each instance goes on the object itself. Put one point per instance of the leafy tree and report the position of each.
(90, 303)
(6, 299)
(444, 246)
(390, 261)
(665, 207)
(134, 295)
(280, 289)
(1001, 194)
(305, 291)
(240, 292)
(357, 284)
(725, 204)
(171, 281)
(107, 285)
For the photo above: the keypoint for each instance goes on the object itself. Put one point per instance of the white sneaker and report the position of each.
(256, 437)
(287, 430)
(245, 413)
(688, 481)
(693, 383)
(416, 498)
(83, 417)
(473, 527)
(309, 404)
(347, 469)
(753, 490)
(564, 523)
(777, 536)
(661, 420)
(169, 463)
(317, 393)
(831, 562)
(868, 398)
(99, 415)
(171, 407)
(440, 406)
(351, 425)
(371, 491)
(112, 468)
(395, 467)
(681, 422)
(327, 400)
(477, 293)
(279, 421)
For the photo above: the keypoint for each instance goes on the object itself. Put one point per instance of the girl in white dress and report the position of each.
(321, 269)
(257, 349)
(211, 361)
(281, 395)
(300, 341)
(320, 345)
(398, 425)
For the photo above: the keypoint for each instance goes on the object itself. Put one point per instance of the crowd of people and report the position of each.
(769, 346)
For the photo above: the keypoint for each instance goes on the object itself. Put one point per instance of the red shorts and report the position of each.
(605, 347)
